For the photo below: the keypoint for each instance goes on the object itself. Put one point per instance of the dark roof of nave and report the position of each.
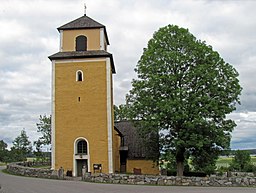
(84, 54)
(83, 22)
(132, 139)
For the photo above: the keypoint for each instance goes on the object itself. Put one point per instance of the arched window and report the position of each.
(81, 43)
(79, 75)
(82, 147)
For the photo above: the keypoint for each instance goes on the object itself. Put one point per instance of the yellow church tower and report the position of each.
(82, 99)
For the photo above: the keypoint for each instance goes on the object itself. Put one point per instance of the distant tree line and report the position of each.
(20, 150)
(233, 152)
(22, 147)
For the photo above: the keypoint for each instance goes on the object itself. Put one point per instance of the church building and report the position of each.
(83, 132)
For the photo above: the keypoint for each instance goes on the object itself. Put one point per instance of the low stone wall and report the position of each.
(171, 180)
(26, 169)
(19, 169)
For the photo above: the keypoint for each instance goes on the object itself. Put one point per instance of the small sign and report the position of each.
(97, 167)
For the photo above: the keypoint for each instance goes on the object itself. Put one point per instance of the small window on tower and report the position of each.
(81, 43)
(79, 75)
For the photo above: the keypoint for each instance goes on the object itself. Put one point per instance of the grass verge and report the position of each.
(2, 164)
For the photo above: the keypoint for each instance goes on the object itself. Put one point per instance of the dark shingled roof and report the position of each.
(84, 22)
(131, 139)
(84, 54)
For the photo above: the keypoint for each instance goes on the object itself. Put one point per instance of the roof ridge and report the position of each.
(81, 23)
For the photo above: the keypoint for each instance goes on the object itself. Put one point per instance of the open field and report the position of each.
(226, 161)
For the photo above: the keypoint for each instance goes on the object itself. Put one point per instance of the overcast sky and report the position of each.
(28, 36)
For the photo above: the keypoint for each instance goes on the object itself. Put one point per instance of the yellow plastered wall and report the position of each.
(69, 39)
(86, 118)
(116, 145)
(146, 166)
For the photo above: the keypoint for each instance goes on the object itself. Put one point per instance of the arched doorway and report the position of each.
(81, 156)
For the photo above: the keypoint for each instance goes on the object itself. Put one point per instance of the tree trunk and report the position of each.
(180, 161)
(180, 168)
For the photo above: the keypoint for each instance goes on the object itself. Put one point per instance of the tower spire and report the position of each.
(85, 8)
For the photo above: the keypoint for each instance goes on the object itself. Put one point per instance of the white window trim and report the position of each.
(77, 75)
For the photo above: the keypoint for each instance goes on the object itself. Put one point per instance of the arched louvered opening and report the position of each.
(81, 43)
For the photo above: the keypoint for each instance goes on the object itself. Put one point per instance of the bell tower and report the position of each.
(82, 98)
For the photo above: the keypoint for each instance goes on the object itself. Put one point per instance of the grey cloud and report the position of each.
(247, 102)
(244, 134)
(4, 117)
(245, 144)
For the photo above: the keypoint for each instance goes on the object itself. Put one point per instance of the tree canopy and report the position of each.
(3, 145)
(242, 162)
(3, 150)
(44, 127)
(183, 92)
(120, 113)
(21, 146)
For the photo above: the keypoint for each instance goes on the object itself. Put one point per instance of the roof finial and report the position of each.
(84, 8)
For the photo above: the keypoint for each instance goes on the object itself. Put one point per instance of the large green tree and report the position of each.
(43, 127)
(183, 92)
(21, 146)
